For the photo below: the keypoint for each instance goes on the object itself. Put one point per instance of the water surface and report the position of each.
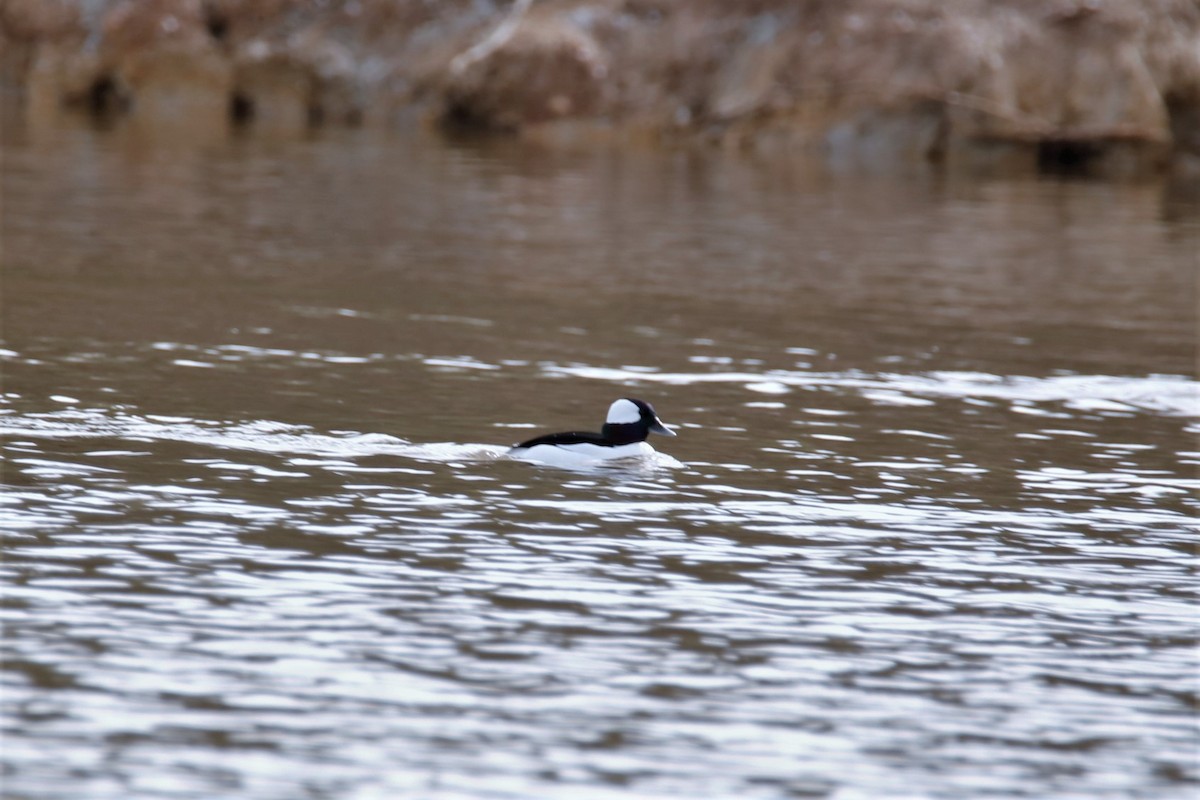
(932, 531)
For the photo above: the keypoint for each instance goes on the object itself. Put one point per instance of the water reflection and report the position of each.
(932, 528)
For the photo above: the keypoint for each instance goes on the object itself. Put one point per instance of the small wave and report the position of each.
(1173, 395)
(261, 436)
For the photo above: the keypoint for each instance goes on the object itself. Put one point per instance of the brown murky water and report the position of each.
(932, 534)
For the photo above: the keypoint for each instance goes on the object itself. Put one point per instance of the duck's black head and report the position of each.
(631, 421)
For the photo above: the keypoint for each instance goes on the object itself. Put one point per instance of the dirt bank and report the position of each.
(1100, 86)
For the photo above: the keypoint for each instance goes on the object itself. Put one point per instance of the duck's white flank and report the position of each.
(577, 455)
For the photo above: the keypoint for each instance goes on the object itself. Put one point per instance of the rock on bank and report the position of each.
(1099, 86)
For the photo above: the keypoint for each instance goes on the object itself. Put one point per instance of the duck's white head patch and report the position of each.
(623, 412)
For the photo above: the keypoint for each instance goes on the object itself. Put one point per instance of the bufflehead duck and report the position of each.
(624, 434)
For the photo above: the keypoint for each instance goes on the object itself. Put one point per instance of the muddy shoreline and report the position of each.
(1096, 87)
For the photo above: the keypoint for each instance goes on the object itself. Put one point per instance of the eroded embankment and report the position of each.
(1101, 86)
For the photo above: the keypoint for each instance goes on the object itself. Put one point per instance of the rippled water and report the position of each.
(930, 531)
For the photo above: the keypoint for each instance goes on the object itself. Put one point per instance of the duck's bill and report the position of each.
(658, 427)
